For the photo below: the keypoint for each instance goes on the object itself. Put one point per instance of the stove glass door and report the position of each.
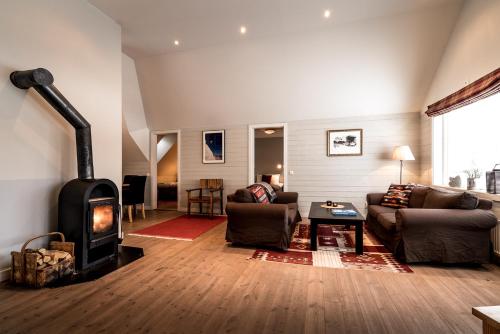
(102, 219)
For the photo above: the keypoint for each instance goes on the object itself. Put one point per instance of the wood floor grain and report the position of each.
(206, 286)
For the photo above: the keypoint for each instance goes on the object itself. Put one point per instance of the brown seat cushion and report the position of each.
(375, 210)
(437, 199)
(388, 221)
(292, 213)
(417, 197)
(243, 196)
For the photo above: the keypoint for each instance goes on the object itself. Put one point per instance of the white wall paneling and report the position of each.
(315, 176)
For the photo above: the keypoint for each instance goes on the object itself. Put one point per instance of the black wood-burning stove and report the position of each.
(89, 209)
(89, 215)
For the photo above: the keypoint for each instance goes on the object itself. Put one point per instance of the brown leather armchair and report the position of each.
(265, 225)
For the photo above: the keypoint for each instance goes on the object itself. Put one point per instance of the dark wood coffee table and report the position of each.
(319, 215)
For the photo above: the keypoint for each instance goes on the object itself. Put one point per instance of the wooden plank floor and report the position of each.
(205, 286)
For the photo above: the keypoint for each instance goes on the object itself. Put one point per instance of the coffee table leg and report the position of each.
(314, 235)
(359, 238)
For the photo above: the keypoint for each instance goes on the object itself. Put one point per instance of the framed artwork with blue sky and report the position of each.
(213, 147)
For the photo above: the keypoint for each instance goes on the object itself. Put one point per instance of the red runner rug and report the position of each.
(335, 250)
(181, 228)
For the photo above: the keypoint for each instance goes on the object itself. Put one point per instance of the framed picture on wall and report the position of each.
(344, 142)
(213, 147)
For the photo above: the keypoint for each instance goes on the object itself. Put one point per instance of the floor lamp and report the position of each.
(402, 153)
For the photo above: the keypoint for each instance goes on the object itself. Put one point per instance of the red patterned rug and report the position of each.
(335, 250)
(181, 228)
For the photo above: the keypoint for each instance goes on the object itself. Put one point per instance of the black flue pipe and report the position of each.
(42, 81)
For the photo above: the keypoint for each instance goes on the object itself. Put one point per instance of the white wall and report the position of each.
(135, 133)
(378, 66)
(370, 74)
(316, 177)
(165, 144)
(234, 171)
(473, 51)
(133, 110)
(134, 162)
(167, 166)
(82, 48)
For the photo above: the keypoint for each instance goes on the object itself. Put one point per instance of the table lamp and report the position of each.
(402, 153)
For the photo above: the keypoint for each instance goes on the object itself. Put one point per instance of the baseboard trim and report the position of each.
(4, 274)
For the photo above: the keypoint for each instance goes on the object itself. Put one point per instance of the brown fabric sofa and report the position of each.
(438, 226)
(265, 225)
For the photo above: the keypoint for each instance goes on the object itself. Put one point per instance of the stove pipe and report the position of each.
(42, 81)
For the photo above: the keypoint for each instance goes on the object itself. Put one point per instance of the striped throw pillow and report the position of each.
(259, 193)
(397, 196)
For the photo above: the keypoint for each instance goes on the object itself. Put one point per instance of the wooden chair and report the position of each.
(209, 192)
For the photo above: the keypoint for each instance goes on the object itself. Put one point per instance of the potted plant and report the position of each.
(472, 175)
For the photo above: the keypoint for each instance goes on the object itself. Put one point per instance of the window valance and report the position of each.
(479, 89)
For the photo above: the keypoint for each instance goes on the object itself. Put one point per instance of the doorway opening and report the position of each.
(167, 171)
(268, 154)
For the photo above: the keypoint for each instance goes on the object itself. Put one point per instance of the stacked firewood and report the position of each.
(45, 258)
(39, 267)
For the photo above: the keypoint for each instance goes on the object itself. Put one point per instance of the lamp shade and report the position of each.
(402, 153)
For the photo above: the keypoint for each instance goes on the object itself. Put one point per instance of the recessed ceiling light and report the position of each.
(176, 42)
(243, 30)
(327, 13)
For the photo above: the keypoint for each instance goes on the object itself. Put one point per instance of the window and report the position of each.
(467, 138)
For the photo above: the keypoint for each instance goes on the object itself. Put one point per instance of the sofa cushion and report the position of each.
(437, 199)
(387, 221)
(467, 201)
(484, 204)
(397, 196)
(417, 197)
(375, 210)
(243, 196)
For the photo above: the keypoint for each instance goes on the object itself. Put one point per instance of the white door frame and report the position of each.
(251, 150)
(154, 166)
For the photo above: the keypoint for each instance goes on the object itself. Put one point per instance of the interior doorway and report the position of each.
(268, 154)
(165, 169)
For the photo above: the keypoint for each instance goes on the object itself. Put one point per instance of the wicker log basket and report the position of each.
(38, 267)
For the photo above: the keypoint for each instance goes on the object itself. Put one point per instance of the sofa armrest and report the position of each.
(285, 197)
(453, 219)
(374, 198)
